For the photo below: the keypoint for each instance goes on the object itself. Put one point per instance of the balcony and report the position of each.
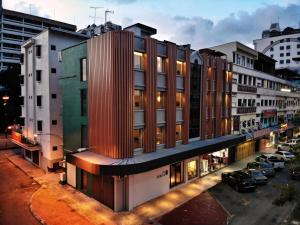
(180, 54)
(161, 49)
(160, 116)
(179, 82)
(161, 80)
(139, 44)
(244, 88)
(139, 78)
(244, 110)
(179, 114)
(138, 117)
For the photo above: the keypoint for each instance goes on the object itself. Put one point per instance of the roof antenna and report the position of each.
(95, 13)
(107, 11)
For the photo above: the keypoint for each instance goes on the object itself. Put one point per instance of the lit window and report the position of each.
(138, 138)
(83, 69)
(179, 67)
(178, 132)
(138, 99)
(138, 60)
(192, 169)
(160, 135)
(179, 100)
(160, 65)
(160, 100)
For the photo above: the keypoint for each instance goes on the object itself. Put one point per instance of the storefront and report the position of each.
(244, 150)
(213, 161)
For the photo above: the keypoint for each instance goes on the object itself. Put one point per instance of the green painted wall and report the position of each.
(71, 99)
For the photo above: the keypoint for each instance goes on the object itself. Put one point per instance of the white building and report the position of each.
(40, 96)
(281, 45)
(17, 27)
(259, 98)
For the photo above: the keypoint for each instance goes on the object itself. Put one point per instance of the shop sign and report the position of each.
(269, 113)
(260, 133)
(163, 173)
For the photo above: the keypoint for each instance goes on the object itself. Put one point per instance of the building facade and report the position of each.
(138, 109)
(41, 136)
(16, 28)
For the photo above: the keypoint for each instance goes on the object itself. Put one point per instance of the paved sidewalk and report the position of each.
(57, 204)
(5, 143)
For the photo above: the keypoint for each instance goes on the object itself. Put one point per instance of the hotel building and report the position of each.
(134, 109)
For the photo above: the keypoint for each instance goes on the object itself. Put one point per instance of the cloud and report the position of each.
(121, 1)
(29, 8)
(241, 26)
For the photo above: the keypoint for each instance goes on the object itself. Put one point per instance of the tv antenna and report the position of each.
(107, 12)
(95, 13)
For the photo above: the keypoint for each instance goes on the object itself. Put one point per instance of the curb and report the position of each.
(35, 215)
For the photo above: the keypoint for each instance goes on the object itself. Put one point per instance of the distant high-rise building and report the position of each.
(16, 28)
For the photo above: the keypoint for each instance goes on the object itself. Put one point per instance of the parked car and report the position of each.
(295, 173)
(283, 146)
(284, 155)
(257, 175)
(239, 180)
(293, 141)
(277, 164)
(265, 168)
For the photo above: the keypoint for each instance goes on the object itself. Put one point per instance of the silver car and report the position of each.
(257, 176)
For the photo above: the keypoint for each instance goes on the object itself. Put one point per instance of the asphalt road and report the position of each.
(255, 208)
(16, 189)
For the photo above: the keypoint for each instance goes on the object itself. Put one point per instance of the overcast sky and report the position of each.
(202, 23)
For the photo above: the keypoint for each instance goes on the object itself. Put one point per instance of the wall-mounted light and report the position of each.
(285, 89)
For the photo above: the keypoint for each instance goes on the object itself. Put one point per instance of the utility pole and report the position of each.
(95, 13)
(107, 12)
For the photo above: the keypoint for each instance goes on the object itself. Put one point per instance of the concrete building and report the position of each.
(41, 137)
(16, 28)
(138, 116)
(281, 45)
(260, 100)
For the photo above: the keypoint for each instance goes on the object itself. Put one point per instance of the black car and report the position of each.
(266, 168)
(239, 180)
(295, 173)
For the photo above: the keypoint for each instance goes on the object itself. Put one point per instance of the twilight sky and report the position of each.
(202, 23)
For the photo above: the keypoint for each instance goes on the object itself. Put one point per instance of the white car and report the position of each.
(284, 155)
(293, 142)
(283, 146)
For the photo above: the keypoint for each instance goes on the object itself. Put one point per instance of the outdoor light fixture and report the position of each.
(285, 90)
(35, 135)
(5, 98)
(9, 127)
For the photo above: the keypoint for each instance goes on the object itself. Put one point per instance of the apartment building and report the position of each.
(260, 100)
(138, 116)
(16, 28)
(41, 119)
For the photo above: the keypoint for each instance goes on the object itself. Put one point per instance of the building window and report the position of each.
(281, 48)
(160, 100)
(54, 122)
(192, 169)
(298, 45)
(245, 79)
(38, 77)
(53, 70)
(288, 61)
(21, 80)
(178, 132)
(281, 54)
(298, 53)
(240, 78)
(83, 69)
(138, 136)
(271, 49)
(239, 102)
(176, 174)
(38, 51)
(53, 47)
(39, 100)
(138, 60)
(83, 94)
(160, 135)
(40, 125)
(281, 40)
(54, 148)
(138, 99)
(53, 96)
(160, 65)
(179, 68)
(84, 135)
(288, 47)
(281, 61)
(288, 54)
(254, 81)
(179, 100)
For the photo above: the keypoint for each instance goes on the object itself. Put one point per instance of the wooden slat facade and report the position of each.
(110, 94)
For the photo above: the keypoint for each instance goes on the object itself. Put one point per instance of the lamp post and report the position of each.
(5, 99)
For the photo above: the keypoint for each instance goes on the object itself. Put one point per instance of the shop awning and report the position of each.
(29, 147)
(99, 164)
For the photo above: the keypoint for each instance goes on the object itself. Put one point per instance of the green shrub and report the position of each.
(288, 193)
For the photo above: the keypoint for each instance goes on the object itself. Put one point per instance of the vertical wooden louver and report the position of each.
(219, 97)
(110, 94)
(150, 95)
(186, 109)
(203, 96)
(171, 95)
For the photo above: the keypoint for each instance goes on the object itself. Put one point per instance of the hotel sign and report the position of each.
(269, 113)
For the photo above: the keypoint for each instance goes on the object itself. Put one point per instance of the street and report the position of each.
(255, 208)
(16, 189)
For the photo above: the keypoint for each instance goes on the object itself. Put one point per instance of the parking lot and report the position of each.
(255, 208)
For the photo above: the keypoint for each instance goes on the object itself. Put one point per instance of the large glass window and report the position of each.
(160, 100)
(138, 135)
(192, 169)
(179, 100)
(160, 65)
(83, 96)
(160, 135)
(138, 99)
(138, 60)
(83, 69)
(176, 174)
(213, 161)
(178, 132)
(179, 68)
